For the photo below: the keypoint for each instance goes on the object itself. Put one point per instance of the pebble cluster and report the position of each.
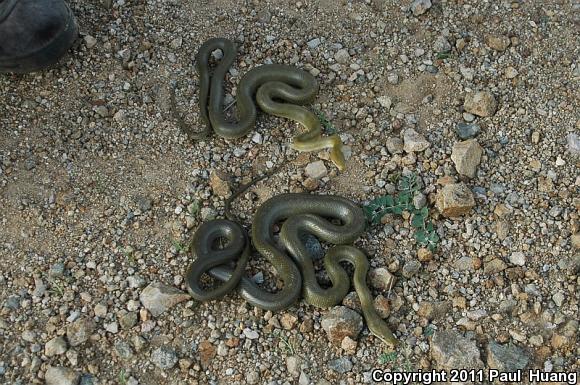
(100, 192)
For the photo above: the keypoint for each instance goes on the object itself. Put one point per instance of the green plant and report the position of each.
(56, 287)
(443, 55)
(328, 126)
(193, 208)
(386, 358)
(180, 247)
(122, 377)
(288, 345)
(408, 186)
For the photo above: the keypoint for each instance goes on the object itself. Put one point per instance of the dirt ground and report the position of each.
(100, 191)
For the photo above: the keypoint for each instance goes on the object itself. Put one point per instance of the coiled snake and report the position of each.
(300, 213)
(279, 90)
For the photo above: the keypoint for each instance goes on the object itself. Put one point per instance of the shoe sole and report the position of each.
(46, 56)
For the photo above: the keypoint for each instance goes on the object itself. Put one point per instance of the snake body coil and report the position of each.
(278, 89)
(300, 213)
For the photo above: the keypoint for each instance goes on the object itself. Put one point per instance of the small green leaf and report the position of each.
(388, 357)
(443, 55)
(418, 221)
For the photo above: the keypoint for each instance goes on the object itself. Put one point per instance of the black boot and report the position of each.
(34, 34)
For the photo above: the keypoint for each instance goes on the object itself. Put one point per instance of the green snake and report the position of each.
(300, 213)
(278, 89)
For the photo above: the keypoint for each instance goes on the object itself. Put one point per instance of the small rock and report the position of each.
(442, 44)
(518, 258)
(452, 351)
(293, 365)
(80, 331)
(90, 41)
(222, 349)
(573, 143)
(411, 268)
(382, 306)
(251, 334)
(314, 43)
(164, 357)
(87, 379)
(56, 270)
(100, 310)
(316, 170)
(58, 375)
(424, 254)
(207, 352)
(157, 298)
(340, 322)
(433, 310)
(252, 377)
(349, 345)
(341, 365)
(419, 201)
(352, 301)
(494, 266)
(393, 78)
(576, 240)
(480, 103)
(311, 184)
(123, 350)
(497, 42)
(342, 56)
(313, 246)
(466, 155)
(382, 279)
(303, 379)
(218, 182)
(464, 264)
(394, 145)
(128, 320)
(454, 200)
(506, 358)
(55, 346)
(467, 130)
(511, 72)
(288, 321)
(558, 298)
(413, 141)
(385, 102)
(419, 7)
(466, 72)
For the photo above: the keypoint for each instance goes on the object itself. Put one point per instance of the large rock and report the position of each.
(58, 375)
(341, 322)
(157, 298)
(480, 103)
(506, 358)
(80, 331)
(466, 155)
(454, 200)
(453, 351)
(413, 141)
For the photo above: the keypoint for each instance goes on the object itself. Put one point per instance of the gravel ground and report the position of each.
(100, 192)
